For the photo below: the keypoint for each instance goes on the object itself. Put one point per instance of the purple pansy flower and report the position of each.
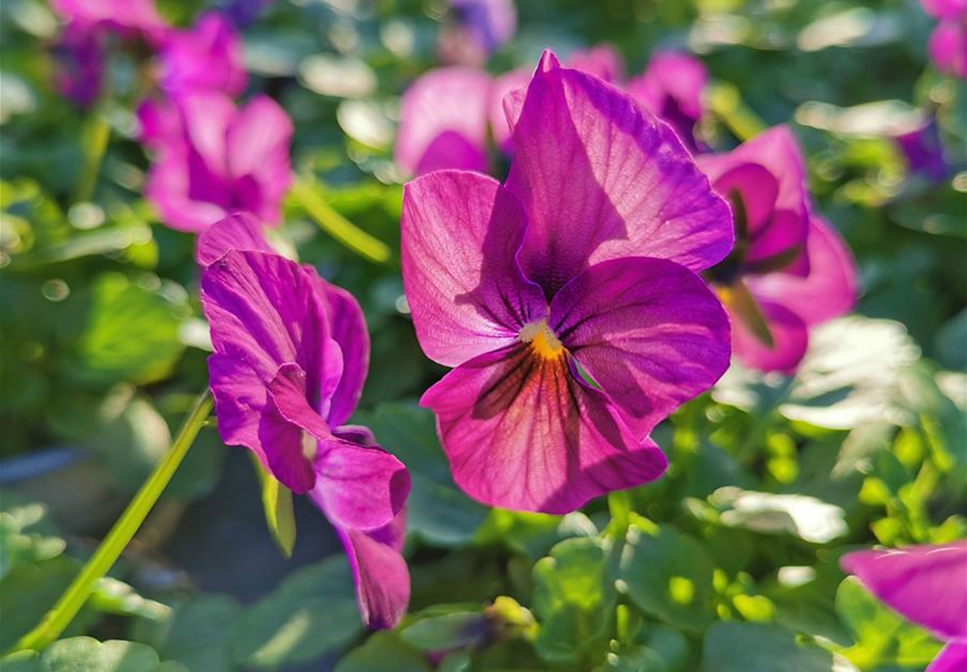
(789, 270)
(948, 42)
(924, 151)
(79, 55)
(290, 360)
(925, 584)
(480, 28)
(671, 88)
(212, 158)
(207, 57)
(580, 268)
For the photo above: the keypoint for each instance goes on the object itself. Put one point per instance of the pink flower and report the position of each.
(206, 57)
(291, 356)
(948, 43)
(580, 268)
(212, 158)
(671, 88)
(127, 18)
(926, 585)
(789, 270)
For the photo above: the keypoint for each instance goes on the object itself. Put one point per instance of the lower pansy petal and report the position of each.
(953, 658)
(789, 334)
(828, 291)
(648, 331)
(379, 571)
(460, 236)
(925, 584)
(522, 432)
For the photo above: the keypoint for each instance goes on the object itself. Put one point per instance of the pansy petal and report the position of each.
(259, 134)
(263, 313)
(952, 658)
(239, 231)
(443, 122)
(789, 334)
(674, 75)
(168, 188)
(506, 101)
(648, 331)
(599, 179)
(753, 183)
(379, 571)
(948, 47)
(207, 116)
(347, 327)
(522, 432)
(925, 584)
(460, 236)
(359, 487)
(828, 291)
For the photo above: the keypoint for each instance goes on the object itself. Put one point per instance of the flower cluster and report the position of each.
(291, 356)
(568, 298)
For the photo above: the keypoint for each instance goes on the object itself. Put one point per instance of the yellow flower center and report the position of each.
(542, 340)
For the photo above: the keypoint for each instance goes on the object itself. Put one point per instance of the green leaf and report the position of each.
(131, 332)
(757, 647)
(668, 575)
(28, 591)
(445, 631)
(533, 534)
(196, 634)
(313, 612)
(384, 652)
(22, 536)
(277, 506)
(882, 637)
(436, 510)
(84, 654)
(574, 600)
(133, 438)
(808, 518)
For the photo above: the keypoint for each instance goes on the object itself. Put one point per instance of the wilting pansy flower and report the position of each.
(207, 57)
(789, 270)
(479, 28)
(212, 158)
(291, 356)
(926, 585)
(566, 299)
(671, 88)
(79, 55)
(948, 42)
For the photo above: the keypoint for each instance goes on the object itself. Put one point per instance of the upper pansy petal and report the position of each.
(522, 432)
(648, 331)
(379, 571)
(953, 658)
(264, 313)
(260, 134)
(789, 334)
(207, 117)
(925, 584)
(671, 75)
(238, 231)
(208, 56)
(828, 291)
(599, 179)
(443, 122)
(460, 236)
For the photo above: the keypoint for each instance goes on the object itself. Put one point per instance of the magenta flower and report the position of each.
(207, 57)
(948, 42)
(925, 584)
(671, 88)
(580, 268)
(924, 152)
(789, 270)
(480, 28)
(212, 158)
(290, 360)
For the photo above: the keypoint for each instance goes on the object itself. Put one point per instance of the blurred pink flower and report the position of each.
(948, 42)
(212, 158)
(478, 28)
(208, 56)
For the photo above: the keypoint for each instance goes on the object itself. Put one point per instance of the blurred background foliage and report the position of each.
(727, 564)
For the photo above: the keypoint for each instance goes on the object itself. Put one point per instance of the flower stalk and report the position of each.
(60, 616)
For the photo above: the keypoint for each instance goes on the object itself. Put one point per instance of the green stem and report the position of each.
(337, 226)
(57, 619)
(726, 103)
(94, 139)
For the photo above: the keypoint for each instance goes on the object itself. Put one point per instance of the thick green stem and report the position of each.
(727, 105)
(337, 226)
(94, 140)
(58, 618)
